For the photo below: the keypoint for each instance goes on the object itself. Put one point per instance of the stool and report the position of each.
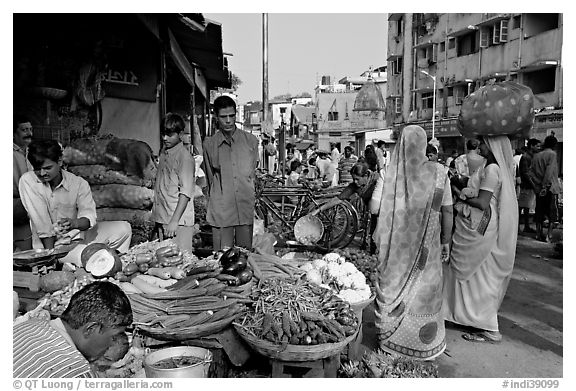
(354, 348)
(327, 367)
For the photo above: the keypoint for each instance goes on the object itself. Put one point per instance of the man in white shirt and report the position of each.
(61, 207)
(323, 164)
(381, 156)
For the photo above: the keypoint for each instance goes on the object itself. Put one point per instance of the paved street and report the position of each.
(530, 321)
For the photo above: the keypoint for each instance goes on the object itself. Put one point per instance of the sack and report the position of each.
(505, 108)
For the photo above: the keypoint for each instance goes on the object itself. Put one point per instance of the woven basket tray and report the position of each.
(294, 352)
(359, 306)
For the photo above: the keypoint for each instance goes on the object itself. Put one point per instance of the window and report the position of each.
(396, 66)
(451, 43)
(459, 94)
(494, 34)
(427, 100)
(541, 81)
(442, 46)
(430, 53)
(467, 44)
(282, 110)
(254, 118)
(332, 116)
(398, 105)
(538, 23)
(516, 22)
(400, 27)
(450, 91)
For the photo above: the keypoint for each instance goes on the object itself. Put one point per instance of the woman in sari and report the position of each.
(484, 243)
(413, 235)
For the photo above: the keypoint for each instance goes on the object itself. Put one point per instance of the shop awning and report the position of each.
(423, 45)
(537, 65)
(467, 30)
(196, 47)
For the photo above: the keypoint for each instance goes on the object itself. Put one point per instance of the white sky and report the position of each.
(301, 48)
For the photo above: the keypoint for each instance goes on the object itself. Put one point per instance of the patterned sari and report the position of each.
(409, 291)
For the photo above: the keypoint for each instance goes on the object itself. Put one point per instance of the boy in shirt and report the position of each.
(173, 210)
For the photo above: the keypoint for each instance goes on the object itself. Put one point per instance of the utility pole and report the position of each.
(264, 73)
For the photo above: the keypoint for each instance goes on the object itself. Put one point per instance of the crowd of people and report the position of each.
(445, 235)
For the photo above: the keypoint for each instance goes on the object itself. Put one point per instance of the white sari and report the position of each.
(477, 276)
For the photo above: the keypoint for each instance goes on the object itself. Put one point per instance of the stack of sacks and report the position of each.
(121, 174)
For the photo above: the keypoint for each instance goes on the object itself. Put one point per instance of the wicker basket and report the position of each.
(358, 308)
(293, 352)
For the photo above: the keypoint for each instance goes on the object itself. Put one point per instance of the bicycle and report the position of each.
(281, 206)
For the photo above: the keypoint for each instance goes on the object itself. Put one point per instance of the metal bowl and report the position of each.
(308, 230)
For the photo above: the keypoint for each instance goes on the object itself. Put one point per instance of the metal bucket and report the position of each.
(196, 370)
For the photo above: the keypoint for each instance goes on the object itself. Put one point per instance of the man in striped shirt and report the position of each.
(65, 347)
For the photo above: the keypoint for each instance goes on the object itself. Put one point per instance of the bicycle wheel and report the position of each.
(349, 233)
(340, 225)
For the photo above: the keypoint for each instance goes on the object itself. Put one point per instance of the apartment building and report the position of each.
(435, 60)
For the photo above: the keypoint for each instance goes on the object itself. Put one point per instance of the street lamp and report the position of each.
(433, 99)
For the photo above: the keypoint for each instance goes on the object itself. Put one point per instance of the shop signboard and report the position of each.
(132, 73)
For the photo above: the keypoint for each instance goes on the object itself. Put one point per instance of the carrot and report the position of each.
(267, 323)
(286, 324)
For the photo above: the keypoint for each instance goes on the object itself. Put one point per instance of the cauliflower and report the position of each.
(365, 293)
(319, 264)
(314, 276)
(344, 282)
(348, 268)
(331, 257)
(358, 281)
(333, 270)
(350, 295)
(307, 266)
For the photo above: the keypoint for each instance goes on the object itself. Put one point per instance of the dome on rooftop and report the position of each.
(369, 98)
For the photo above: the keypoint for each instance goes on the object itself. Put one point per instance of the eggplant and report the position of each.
(237, 266)
(229, 256)
(245, 276)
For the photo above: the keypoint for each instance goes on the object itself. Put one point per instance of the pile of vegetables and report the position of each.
(296, 312)
(333, 272)
(364, 262)
(267, 266)
(129, 365)
(56, 301)
(379, 364)
(234, 262)
(199, 304)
